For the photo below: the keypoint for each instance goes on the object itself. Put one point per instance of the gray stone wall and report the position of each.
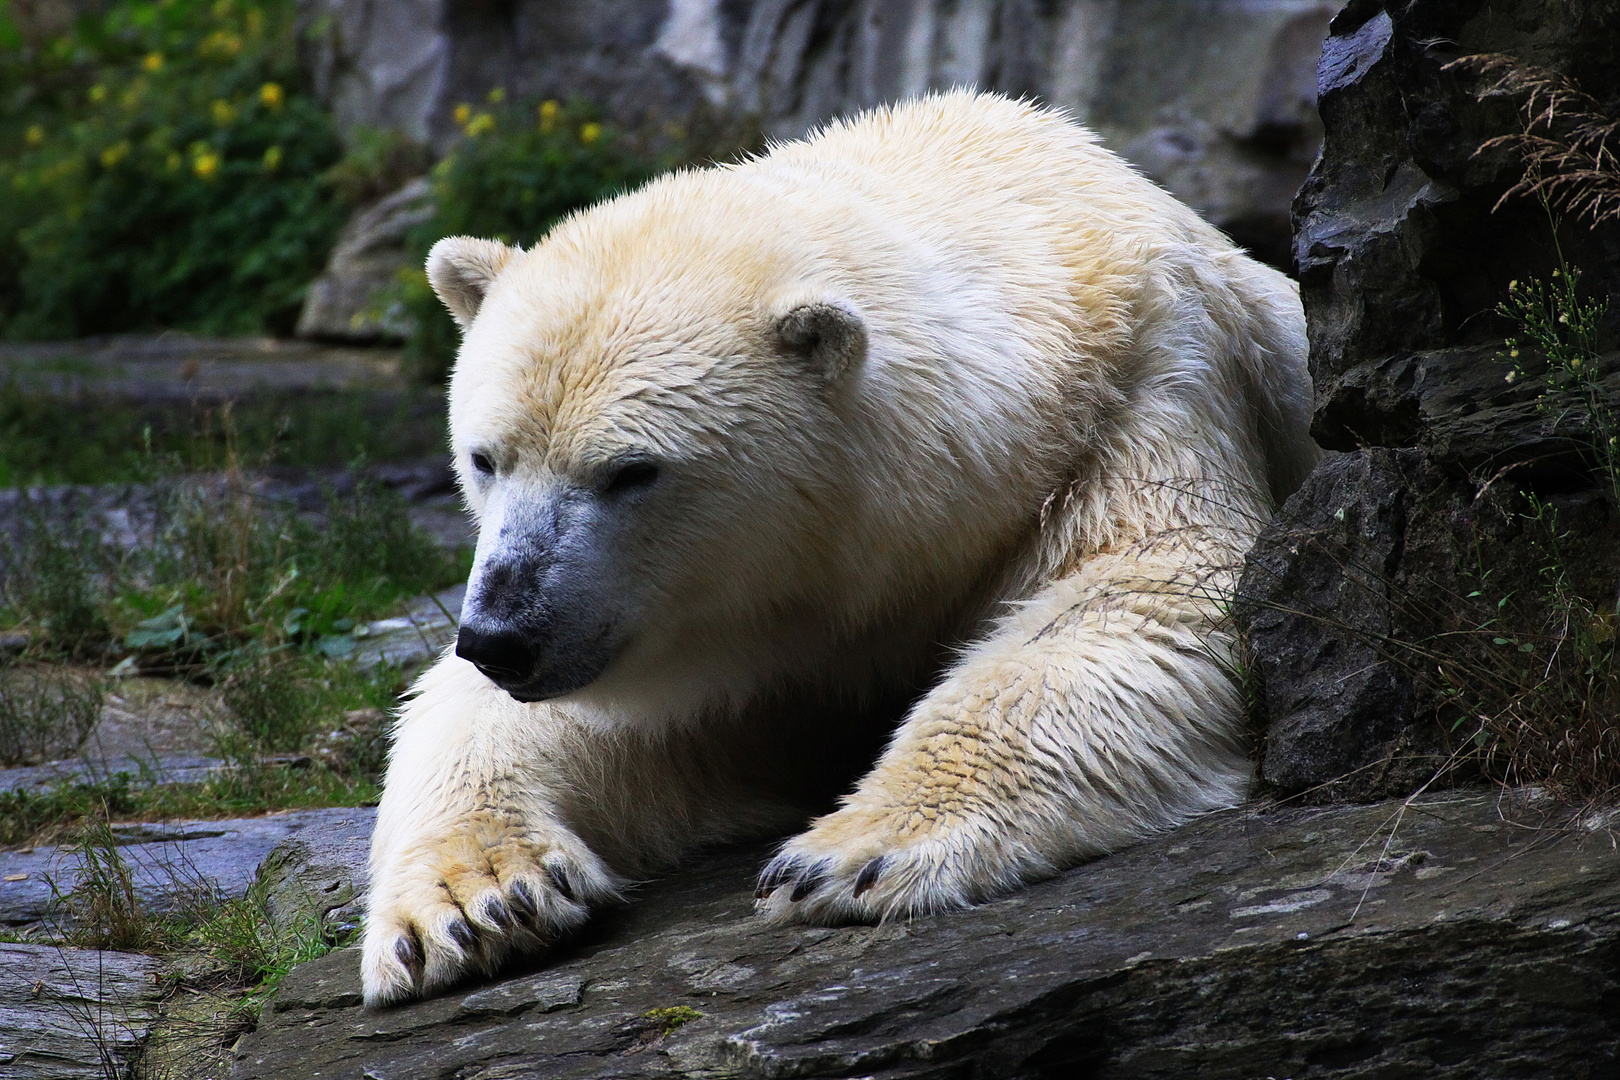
(1213, 98)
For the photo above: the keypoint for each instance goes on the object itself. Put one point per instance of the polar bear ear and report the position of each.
(461, 271)
(830, 331)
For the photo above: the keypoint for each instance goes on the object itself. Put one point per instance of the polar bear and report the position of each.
(933, 438)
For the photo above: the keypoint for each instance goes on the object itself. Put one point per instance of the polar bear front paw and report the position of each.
(863, 865)
(461, 903)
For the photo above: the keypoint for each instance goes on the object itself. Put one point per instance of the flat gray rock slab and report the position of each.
(159, 769)
(69, 1013)
(418, 636)
(1450, 937)
(169, 863)
(181, 367)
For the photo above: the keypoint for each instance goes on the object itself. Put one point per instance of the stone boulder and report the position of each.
(348, 302)
(1462, 492)
(1469, 935)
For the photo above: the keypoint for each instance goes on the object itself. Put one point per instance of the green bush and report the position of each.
(161, 166)
(517, 171)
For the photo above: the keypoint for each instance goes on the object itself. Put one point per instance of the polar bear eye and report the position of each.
(481, 461)
(634, 475)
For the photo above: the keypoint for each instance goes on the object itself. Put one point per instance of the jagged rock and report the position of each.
(1406, 547)
(347, 303)
(70, 1013)
(319, 877)
(1471, 935)
(1214, 100)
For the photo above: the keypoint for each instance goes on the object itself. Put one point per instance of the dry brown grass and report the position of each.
(1567, 143)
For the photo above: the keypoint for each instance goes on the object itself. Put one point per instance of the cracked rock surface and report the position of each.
(70, 1013)
(1467, 935)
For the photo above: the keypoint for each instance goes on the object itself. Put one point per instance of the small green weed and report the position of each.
(1561, 328)
(54, 571)
(1542, 698)
(672, 1019)
(30, 818)
(103, 910)
(247, 949)
(279, 699)
(229, 942)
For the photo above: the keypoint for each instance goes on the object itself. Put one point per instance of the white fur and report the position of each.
(1076, 406)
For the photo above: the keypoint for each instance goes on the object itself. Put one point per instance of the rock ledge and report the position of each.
(1469, 935)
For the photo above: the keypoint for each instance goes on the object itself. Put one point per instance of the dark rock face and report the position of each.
(1409, 537)
(1460, 936)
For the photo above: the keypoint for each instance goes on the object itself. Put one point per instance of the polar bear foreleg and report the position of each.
(1103, 711)
(470, 861)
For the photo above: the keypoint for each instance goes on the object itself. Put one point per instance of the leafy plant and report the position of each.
(517, 171)
(1561, 327)
(162, 166)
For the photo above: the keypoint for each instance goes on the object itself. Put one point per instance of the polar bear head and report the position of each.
(710, 430)
(653, 447)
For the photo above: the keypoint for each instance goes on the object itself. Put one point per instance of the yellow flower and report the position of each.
(115, 153)
(205, 166)
(497, 95)
(223, 112)
(271, 95)
(549, 111)
(590, 133)
(220, 43)
(173, 161)
(463, 113)
(98, 94)
(480, 124)
(35, 135)
(255, 21)
(272, 159)
(153, 61)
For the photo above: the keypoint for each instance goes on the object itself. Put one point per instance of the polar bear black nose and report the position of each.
(504, 654)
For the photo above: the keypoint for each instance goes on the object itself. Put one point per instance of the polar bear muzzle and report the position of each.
(538, 620)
